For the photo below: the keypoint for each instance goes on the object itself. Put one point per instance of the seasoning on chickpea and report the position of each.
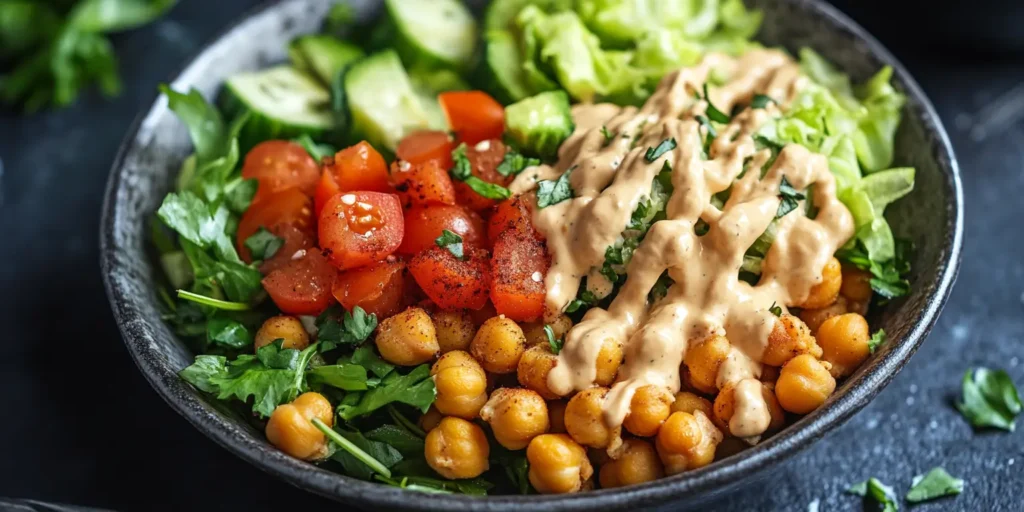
(408, 338)
(533, 369)
(609, 358)
(457, 448)
(282, 327)
(455, 330)
(755, 396)
(789, 338)
(856, 284)
(648, 409)
(637, 462)
(558, 465)
(804, 384)
(825, 292)
(815, 317)
(516, 416)
(686, 401)
(461, 385)
(687, 441)
(535, 334)
(844, 340)
(291, 430)
(498, 345)
(584, 420)
(702, 361)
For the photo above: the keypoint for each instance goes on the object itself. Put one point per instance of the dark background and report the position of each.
(80, 425)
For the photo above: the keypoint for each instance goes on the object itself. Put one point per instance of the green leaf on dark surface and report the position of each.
(990, 399)
(415, 388)
(712, 111)
(228, 333)
(337, 327)
(663, 147)
(876, 340)
(462, 170)
(515, 465)
(515, 162)
(263, 244)
(585, 299)
(935, 484)
(888, 277)
(551, 192)
(789, 198)
(879, 492)
(452, 242)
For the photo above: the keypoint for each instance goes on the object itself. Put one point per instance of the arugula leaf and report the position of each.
(515, 162)
(555, 344)
(452, 242)
(713, 113)
(463, 171)
(551, 192)
(263, 244)
(663, 147)
(345, 376)
(415, 388)
(335, 327)
(989, 399)
(228, 333)
(397, 437)
(366, 357)
(936, 484)
(876, 340)
(316, 150)
(608, 136)
(775, 309)
(789, 197)
(356, 466)
(881, 493)
(761, 101)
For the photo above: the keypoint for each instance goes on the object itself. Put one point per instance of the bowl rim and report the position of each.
(715, 477)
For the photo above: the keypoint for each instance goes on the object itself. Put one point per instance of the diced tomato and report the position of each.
(519, 263)
(288, 206)
(422, 184)
(303, 285)
(473, 115)
(359, 168)
(484, 159)
(278, 165)
(360, 228)
(452, 283)
(419, 147)
(511, 213)
(424, 224)
(377, 288)
(295, 240)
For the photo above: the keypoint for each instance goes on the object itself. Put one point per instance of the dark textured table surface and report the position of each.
(80, 425)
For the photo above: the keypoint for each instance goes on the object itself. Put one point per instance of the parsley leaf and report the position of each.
(876, 340)
(551, 192)
(397, 437)
(761, 101)
(888, 279)
(608, 136)
(316, 150)
(515, 162)
(713, 113)
(335, 327)
(415, 388)
(354, 464)
(366, 357)
(936, 484)
(585, 299)
(228, 333)
(775, 309)
(789, 198)
(663, 147)
(463, 171)
(263, 244)
(516, 467)
(238, 194)
(555, 344)
(711, 132)
(881, 493)
(344, 376)
(989, 399)
(660, 288)
(452, 242)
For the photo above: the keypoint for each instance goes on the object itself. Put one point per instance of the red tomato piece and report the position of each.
(378, 288)
(278, 165)
(326, 188)
(473, 115)
(359, 168)
(452, 283)
(511, 213)
(425, 224)
(303, 285)
(419, 147)
(519, 264)
(295, 240)
(422, 184)
(288, 206)
(360, 228)
(484, 159)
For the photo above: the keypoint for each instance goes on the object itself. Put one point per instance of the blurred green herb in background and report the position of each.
(50, 50)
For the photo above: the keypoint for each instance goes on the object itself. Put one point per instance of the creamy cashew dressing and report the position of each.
(610, 177)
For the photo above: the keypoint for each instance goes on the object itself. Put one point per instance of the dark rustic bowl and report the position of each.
(157, 143)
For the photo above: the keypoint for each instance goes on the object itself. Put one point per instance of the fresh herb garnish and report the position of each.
(712, 111)
(660, 288)
(775, 309)
(551, 192)
(366, 357)
(888, 277)
(555, 344)
(608, 136)
(452, 242)
(354, 458)
(663, 147)
(415, 388)
(227, 333)
(397, 437)
(936, 484)
(709, 129)
(761, 101)
(344, 376)
(212, 302)
(263, 244)
(789, 198)
(876, 340)
(881, 493)
(315, 149)
(989, 399)
(515, 162)
(585, 299)
(335, 327)
(463, 171)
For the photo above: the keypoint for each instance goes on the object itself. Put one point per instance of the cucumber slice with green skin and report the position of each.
(433, 33)
(500, 13)
(428, 84)
(383, 107)
(322, 56)
(284, 104)
(502, 67)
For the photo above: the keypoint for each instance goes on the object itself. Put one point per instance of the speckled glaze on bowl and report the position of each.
(153, 150)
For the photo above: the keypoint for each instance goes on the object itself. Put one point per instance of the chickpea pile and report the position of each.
(491, 375)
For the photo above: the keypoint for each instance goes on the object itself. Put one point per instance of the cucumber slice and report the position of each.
(428, 84)
(433, 33)
(284, 104)
(381, 101)
(322, 56)
(502, 67)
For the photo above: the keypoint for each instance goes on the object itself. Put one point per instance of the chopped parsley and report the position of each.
(227, 333)
(551, 192)
(515, 162)
(263, 244)
(555, 344)
(608, 136)
(888, 277)
(876, 340)
(711, 132)
(452, 242)
(881, 493)
(989, 399)
(585, 299)
(337, 327)
(415, 388)
(462, 170)
(712, 111)
(936, 484)
(789, 198)
(775, 309)
(663, 147)
(761, 101)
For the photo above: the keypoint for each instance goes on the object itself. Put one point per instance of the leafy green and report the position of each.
(415, 388)
(317, 150)
(775, 309)
(551, 192)
(263, 244)
(555, 344)
(761, 101)
(383, 455)
(345, 376)
(366, 357)
(888, 277)
(336, 327)
(881, 493)
(228, 333)
(789, 197)
(462, 171)
(212, 302)
(712, 111)
(989, 399)
(515, 465)
(663, 147)
(514, 163)
(452, 242)
(876, 340)
(585, 299)
(935, 484)
(397, 437)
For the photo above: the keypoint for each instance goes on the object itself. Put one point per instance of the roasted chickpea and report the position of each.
(856, 284)
(498, 345)
(455, 330)
(790, 337)
(648, 409)
(461, 385)
(637, 463)
(815, 317)
(584, 420)
(556, 415)
(804, 384)
(609, 358)
(516, 416)
(457, 448)
(430, 419)
(535, 334)
(291, 430)
(844, 340)
(687, 441)
(533, 369)
(825, 292)
(408, 338)
(282, 327)
(725, 407)
(689, 402)
(703, 360)
(558, 464)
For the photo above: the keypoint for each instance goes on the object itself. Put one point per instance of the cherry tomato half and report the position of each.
(378, 288)
(452, 283)
(473, 115)
(303, 285)
(519, 264)
(419, 147)
(360, 228)
(425, 224)
(289, 206)
(326, 188)
(280, 165)
(295, 240)
(359, 168)
(484, 158)
(422, 184)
